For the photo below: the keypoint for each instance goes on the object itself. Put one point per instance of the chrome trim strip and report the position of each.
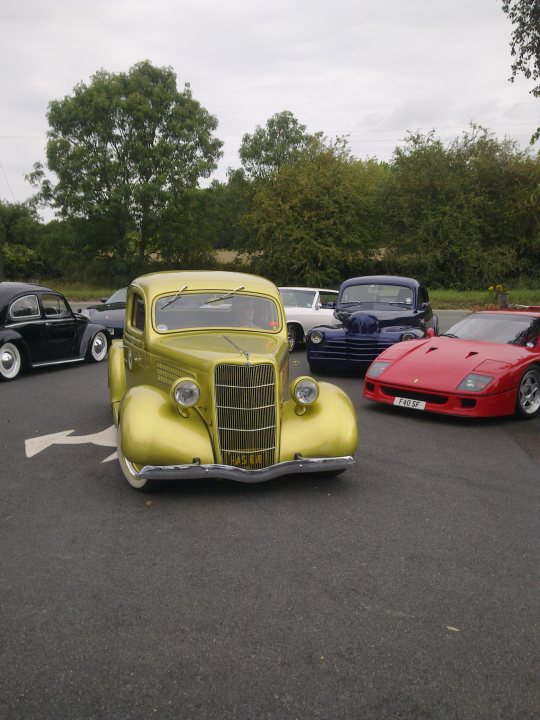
(57, 362)
(196, 471)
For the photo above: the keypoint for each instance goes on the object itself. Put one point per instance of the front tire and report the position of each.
(10, 361)
(129, 469)
(292, 334)
(97, 350)
(528, 395)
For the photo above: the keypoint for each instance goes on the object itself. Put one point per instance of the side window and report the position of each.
(138, 313)
(24, 308)
(328, 300)
(422, 295)
(54, 305)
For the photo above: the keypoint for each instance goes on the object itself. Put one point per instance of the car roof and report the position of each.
(381, 280)
(311, 289)
(9, 290)
(203, 280)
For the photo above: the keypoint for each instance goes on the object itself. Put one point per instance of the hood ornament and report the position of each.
(237, 347)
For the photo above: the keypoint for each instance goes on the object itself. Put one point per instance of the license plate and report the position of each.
(407, 402)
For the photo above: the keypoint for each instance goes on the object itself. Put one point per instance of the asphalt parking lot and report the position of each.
(406, 588)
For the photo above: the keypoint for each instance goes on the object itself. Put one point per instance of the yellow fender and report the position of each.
(116, 376)
(328, 428)
(152, 431)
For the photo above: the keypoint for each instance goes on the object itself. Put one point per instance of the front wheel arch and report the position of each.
(528, 393)
(129, 470)
(97, 347)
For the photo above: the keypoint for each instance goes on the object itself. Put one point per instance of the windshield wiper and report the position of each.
(224, 297)
(175, 298)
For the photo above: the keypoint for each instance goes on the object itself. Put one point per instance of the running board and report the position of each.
(57, 362)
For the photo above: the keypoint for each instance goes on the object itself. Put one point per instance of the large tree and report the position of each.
(525, 42)
(314, 215)
(124, 149)
(279, 143)
(465, 214)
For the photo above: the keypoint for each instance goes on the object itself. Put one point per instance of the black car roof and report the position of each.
(381, 280)
(9, 290)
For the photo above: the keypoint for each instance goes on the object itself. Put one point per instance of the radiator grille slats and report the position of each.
(246, 415)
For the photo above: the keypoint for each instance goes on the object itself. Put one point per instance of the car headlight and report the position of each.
(474, 382)
(409, 336)
(186, 393)
(316, 337)
(376, 368)
(304, 390)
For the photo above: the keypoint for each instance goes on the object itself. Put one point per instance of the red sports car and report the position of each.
(486, 365)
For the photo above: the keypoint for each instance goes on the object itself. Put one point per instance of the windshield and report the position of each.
(506, 329)
(297, 298)
(375, 293)
(215, 310)
(118, 296)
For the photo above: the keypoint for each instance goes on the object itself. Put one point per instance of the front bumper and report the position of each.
(195, 471)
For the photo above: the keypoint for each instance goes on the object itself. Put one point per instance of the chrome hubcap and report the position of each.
(99, 347)
(7, 361)
(529, 393)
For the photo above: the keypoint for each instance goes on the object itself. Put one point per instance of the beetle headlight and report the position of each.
(186, 393)
(474, 382)
(376, 368)
(304, 390)
(316, 337)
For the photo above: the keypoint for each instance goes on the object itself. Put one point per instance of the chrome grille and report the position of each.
(246, 415)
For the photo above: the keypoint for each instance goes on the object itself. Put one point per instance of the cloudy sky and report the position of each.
(369, 69)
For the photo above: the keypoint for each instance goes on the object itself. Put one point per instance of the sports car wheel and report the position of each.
(10, 361)
(97, 349)
(528, 397)
(130, 469)
(292, 335)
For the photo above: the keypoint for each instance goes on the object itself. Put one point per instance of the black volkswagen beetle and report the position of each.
(38, 327)
(372, 312)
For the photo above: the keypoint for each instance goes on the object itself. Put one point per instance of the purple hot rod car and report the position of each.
(372, 312)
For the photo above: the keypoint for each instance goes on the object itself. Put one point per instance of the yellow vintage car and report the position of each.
(199, 386)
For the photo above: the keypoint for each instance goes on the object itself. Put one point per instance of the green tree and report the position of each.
(269, 148)
(463, 215)
(124, 149)
(525, 42)
(316, 213)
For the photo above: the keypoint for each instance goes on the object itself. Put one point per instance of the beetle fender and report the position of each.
(153, 432)
(328, 428)
(89, 331)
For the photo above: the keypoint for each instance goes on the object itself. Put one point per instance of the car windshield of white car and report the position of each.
(505, 329)
(216, 310)
(376, 293)
(118, 296)
(298, 298)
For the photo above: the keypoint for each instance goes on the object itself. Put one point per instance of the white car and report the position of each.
(305, 308)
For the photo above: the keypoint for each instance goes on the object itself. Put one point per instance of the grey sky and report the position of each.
(371, 69)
